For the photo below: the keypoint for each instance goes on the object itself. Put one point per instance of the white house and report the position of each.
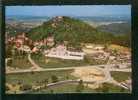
(61, 52)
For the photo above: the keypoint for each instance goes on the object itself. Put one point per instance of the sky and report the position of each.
(71, 10)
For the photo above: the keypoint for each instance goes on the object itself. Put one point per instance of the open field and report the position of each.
(110, 88)
(20, 62)
(71, 88)
(38, 78)
(121, 76)
(65, 88)
(89, 74)
(34, 77)
(119, 48)
(46, 62)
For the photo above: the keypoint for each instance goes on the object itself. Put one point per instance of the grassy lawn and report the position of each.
(66, 88)
(20, 62)
(46, 62)
(71, 88)
(120, 76)
(32, 78)
(110, 88)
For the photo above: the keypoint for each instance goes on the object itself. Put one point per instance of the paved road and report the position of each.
(105, 68)
(39, 69)
(108, 79)
(52, 85)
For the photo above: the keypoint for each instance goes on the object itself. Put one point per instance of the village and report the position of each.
(49, 47)
(114, 59)
(68, 49)
(96, 51)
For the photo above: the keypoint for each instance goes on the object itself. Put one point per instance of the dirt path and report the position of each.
(35, 66)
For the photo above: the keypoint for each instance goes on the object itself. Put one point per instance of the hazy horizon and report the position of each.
(87, 10)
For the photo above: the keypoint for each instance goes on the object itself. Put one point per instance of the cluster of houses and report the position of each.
(99, 52)
(22, 42)
(121, 58)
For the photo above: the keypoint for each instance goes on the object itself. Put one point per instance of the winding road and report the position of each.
(106, 69)
(35, 66)
(39, 69)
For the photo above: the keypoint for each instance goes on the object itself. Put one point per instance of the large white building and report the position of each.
(61, 52)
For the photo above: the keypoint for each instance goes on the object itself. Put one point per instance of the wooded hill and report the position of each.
(75, 32)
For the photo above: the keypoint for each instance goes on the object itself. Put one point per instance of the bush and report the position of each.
(7, 88)
(54, 78)
(25, 87)
(80, 86)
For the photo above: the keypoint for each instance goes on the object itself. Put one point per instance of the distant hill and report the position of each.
(13, 30)
(116, 28)
(69, 29)
(26, 18)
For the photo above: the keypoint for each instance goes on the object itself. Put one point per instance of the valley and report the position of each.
(64, 54)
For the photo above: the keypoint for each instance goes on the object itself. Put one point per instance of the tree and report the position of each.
(105, 88)
(46, 81)
(19, 82)
(25, 87)
(80, 86)
(8, 50)
(32, 72)
(54, 78)
(9, 62)
(67, 77)
(7, 88)
(51, 91)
